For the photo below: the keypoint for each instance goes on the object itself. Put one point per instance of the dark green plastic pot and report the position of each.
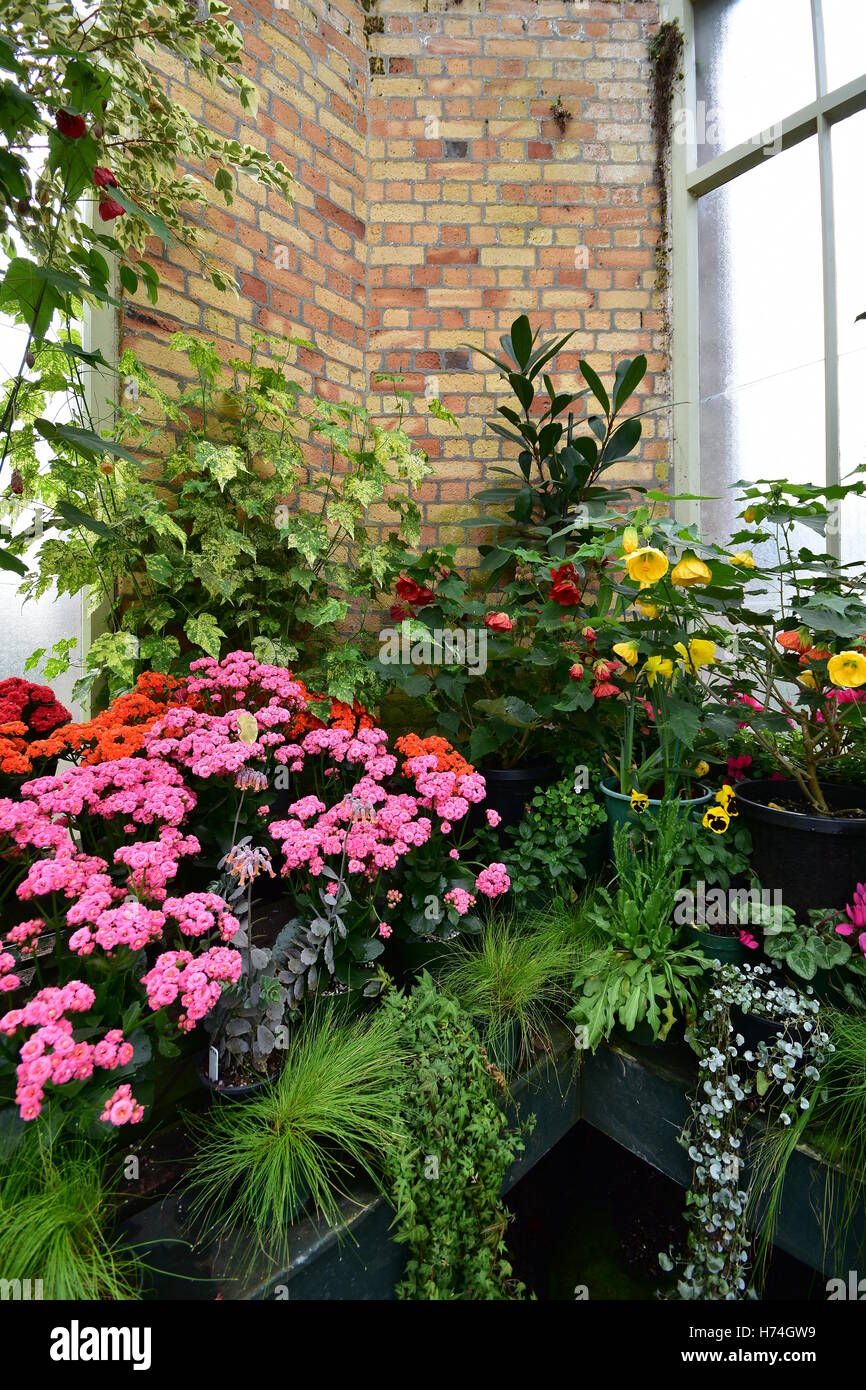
(619, 811)
(727, 949)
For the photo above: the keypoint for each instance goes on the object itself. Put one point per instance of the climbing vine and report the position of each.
(666, 55)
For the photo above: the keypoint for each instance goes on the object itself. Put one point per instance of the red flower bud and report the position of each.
(109, 209)
(73, 127)
(103, 178)
(576, 672)
(498, 622)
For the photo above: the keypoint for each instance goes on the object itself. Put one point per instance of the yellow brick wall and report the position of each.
(435, 199)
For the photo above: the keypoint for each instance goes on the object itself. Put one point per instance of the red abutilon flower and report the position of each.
(565, 589)
(73, 127)
(498, 622)
(413, 593)
(603, 690)
(589, 635)
(104, 178)
(576, 672)
(605, 669)
(397, 613)
(109, 209)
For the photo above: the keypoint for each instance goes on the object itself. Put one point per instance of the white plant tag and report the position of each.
(213, 1064)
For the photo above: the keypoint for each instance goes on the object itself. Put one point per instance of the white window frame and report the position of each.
(689, 182)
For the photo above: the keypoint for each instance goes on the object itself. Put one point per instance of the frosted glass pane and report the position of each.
(844, 40)
(849, 160)
(754, 64)
(761, 331)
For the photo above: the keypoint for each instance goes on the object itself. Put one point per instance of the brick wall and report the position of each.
(301, 267)
(436, 199)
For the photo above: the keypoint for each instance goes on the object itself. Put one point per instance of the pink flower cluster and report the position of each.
(142, 792)
(207, 745)
(493, 881)
(153, 863)
(241, 680)
(196, 980)
(122, 1108)
(855, 913)
(8, 979)
(460, 900)
(51, 1054)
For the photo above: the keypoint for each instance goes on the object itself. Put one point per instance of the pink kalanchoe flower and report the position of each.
(461, 900)
(493, 817)
(384, 930)
(493, 881)
(122, 1108)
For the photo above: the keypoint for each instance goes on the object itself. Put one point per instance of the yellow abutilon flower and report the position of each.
(655, 666)
(689, 571)
(627, 652)
(808, 679)
(702, 769)
(639, 802)
(848, 669)
(744, 558)
(647, 610)
(630, 541)
(700, 653)
(646, 565)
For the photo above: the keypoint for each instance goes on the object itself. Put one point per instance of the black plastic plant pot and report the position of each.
(755, 1029)
(812, 860)
(250, 1088)
(594, 851)
(510, 788)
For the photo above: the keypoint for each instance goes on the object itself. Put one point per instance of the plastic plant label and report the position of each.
(213, 1064)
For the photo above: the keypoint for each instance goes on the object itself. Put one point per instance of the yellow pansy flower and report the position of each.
(630, 541)
(700, 653)
(655, 666)
(639, 802)
(627, 652)
(716, 819)
(848, 669)
(689, 571)
(744, 558)
(702, 769)
(646, 565)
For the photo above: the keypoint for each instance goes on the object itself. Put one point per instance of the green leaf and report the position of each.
(74, 516)
(84, 442)
(521, 341)
(204, 632)
(8, 561)
(629, 375)
(593, 381)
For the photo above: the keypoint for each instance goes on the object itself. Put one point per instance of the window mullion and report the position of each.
(828, 242)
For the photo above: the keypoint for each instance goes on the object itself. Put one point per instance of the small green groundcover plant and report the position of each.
(641, 971)
(446, 1178)
(56, 1219)
(549, 853)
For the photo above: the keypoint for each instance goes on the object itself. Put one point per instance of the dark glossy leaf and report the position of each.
(593, 381)
(629, 375)
(522, 388)
(521, 341)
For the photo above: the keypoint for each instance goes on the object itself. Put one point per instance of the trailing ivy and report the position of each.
(446, 1177)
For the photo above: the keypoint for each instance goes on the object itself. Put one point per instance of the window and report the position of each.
(769, 254)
